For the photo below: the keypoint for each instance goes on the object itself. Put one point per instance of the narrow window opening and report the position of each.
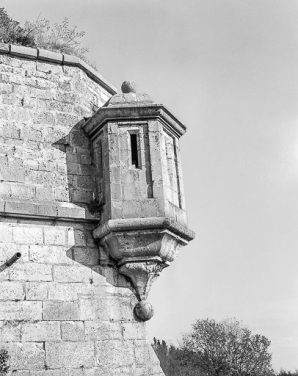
(100, 164)
(134, 150)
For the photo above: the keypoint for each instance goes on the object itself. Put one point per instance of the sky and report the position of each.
(229, 71)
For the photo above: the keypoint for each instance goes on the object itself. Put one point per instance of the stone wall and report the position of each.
(60, 312)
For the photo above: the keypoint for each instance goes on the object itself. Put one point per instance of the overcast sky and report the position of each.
(229, 71)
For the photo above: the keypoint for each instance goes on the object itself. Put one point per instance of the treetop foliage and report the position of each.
(63, 37)
(225, 348)
(228, 348)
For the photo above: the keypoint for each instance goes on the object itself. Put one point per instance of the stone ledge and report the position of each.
(45, 210)
(57, 58)
(143, 224)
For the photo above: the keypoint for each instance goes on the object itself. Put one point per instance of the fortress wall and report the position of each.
(61, 314)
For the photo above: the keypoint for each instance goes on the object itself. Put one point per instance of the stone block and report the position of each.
(71, 211)
(17, 207)
(22, 191)
(81, 196)
(68, 291)
(102, 330)
(114, 353)
(55, 235)
(50, 254)
(36, 290)
(94, 309)
(47, 210)
(73, 331)
(70, 60)
(26, 52)
(153, 357)
(133, 330)
(86, 255)
(71, 273)
(5, 189)
(43, 193)
(41, 331)
(50, 56)
(61, 195)
(80, 238)
(70, 237)
(69, 354)
(142, 354)
(30, 272)
(55, 310)
(25, 355)
(99, 277)
(28, 235)
(5, 233)
(22, 310)
(9, 331)
(11, 291)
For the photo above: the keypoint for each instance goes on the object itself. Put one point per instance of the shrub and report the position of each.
(12, 32)
(63, 37)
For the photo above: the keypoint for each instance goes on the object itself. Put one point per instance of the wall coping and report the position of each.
(58, 211)
(57, 58)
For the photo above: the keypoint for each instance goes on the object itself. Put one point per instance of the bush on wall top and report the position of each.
(62, 37)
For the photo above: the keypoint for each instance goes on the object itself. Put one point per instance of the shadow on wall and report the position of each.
(82, 192)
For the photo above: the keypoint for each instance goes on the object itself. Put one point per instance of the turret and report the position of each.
(139, 188)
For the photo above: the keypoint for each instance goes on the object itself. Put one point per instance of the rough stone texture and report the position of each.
(61, 314)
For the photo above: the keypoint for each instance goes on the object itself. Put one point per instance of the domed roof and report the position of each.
(129, 97)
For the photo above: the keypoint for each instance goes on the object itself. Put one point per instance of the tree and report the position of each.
(287, 373)
(175, 361)
(228, 348)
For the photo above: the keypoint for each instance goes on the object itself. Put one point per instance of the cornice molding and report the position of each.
(133, 224)
(121, 113)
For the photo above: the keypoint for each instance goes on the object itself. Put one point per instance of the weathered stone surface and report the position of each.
(73, 331)
(41, 331)
(26, 355)
(22, 310)
(11, 291)
(69, 354)
(114, 354)
(54, 310)
(104, 330)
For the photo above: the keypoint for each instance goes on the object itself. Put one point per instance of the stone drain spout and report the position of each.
(11, 261)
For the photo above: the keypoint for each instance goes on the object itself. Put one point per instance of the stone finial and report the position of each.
(128, 87)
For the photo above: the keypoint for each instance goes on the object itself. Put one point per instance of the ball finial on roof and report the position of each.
(128, 87)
